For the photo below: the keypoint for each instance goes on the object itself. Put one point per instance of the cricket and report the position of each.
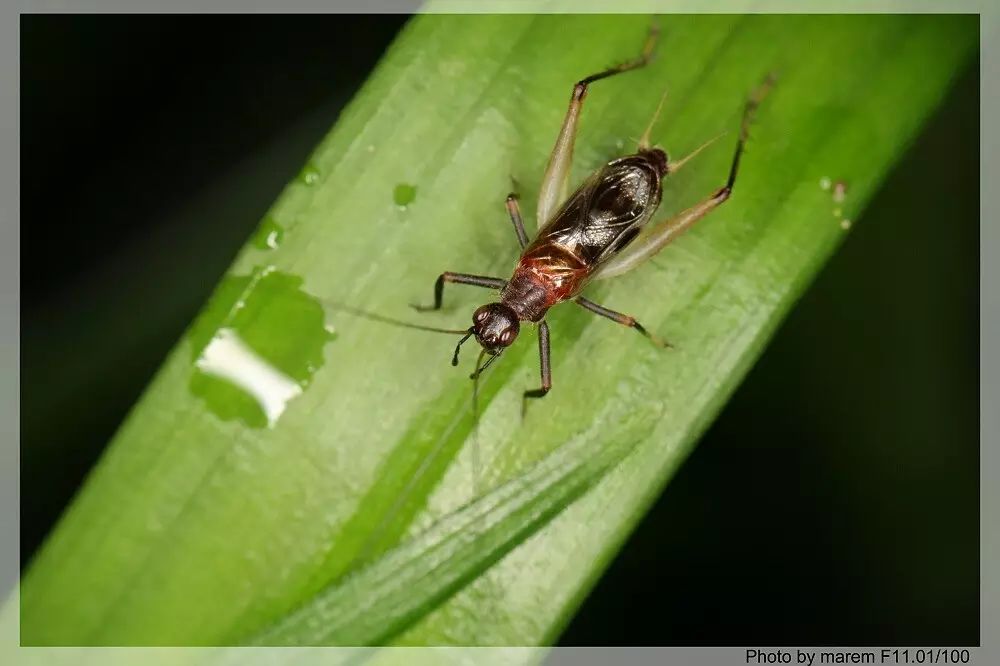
(603, 229)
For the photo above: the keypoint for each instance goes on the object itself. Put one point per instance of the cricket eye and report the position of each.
(506, 337)
(480, 316)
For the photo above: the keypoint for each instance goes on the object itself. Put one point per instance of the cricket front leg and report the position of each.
(556, 178)
(651, 242)
(545, 366)
(459, 278)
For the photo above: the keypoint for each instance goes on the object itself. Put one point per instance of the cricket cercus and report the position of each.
(602, 229)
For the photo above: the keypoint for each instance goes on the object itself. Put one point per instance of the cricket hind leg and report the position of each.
(620, 318)
(556, 178)
(459, 278)
(651, 242)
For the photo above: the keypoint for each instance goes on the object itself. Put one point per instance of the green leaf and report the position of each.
(296, 474)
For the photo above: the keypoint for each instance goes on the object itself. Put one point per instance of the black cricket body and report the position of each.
(603, 229)
(599, 220)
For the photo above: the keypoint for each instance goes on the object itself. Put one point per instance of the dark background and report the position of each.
(835, 501)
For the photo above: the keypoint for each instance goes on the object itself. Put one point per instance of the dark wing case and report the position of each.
(606, 212)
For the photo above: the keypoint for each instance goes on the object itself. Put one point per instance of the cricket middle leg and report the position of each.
(514, 210)
(620, 318)
(545, 367)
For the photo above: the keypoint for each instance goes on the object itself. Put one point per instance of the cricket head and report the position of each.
(495, 326)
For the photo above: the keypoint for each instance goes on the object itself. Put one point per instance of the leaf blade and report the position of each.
(177, 483)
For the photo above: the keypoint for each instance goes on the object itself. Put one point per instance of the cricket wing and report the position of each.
(606, 213)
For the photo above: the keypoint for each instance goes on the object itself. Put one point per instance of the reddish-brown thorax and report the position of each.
(547, 274)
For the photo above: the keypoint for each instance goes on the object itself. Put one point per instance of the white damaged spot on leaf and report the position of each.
(228, 357)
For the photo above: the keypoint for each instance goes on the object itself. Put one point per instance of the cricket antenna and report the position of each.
(644, 139)
(364, 314)
(480, 369)
(475, 423)
(674, 167)
(468, 332)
